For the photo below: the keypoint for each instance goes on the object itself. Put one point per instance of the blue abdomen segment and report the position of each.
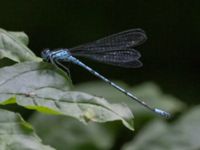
(156, 110)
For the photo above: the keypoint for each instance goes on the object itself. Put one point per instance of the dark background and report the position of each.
(170, 55)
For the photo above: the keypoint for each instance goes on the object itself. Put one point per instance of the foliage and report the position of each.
(16, 134)
(183, 134)
(28, 82)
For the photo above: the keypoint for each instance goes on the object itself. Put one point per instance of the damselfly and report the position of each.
(117, 49)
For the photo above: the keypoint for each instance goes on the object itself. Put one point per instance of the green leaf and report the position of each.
(148, 91)
(16, 134)
(21, 36)
(184, 134)
(13, 46)
(71, 134)
(41, 87)
(25, 79)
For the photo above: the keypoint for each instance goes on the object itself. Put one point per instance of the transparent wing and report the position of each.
(118, 41)
(122, 58)
(116, 49)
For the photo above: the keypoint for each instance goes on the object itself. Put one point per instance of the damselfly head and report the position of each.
(46, 55)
